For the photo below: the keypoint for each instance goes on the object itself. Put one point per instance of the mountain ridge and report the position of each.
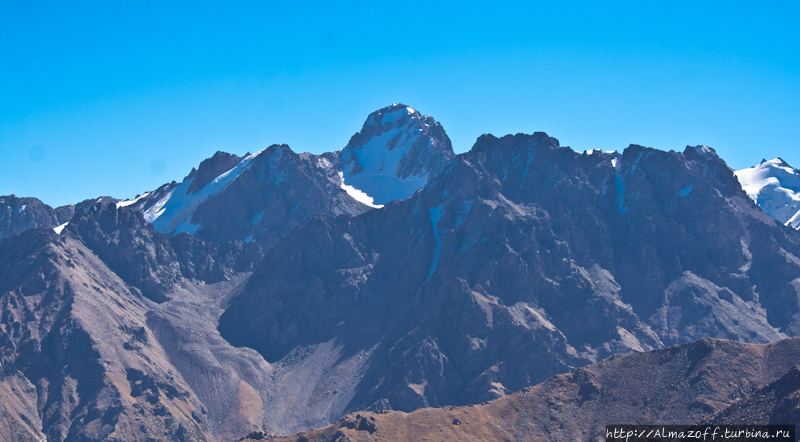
(293, 303)
(715, 379)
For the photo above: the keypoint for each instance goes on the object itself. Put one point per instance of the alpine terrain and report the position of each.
(279, 292)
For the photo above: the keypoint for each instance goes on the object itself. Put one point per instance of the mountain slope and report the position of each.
(88, 355)
(775, 186)
(260, 198)
(521, 260)
(78, 362)
(685, 384)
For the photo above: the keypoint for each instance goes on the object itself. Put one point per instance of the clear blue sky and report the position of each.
(118, 97)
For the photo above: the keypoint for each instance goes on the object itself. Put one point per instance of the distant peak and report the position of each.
(395, 152)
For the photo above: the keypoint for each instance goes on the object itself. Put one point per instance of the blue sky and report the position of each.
(116, 98)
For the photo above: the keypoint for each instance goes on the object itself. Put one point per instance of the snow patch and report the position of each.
(323, 163)
(21, 208)
(358, 195)
(187, 227)
(775, 187)
(391, 117)
(794, 221)
(705, 150)
(59, 228)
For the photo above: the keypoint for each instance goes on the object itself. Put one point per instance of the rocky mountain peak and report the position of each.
(395, 153)
(211, 168)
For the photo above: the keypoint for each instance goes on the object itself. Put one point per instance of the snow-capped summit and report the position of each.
(395, 153)
(775, 186)
(262, 195)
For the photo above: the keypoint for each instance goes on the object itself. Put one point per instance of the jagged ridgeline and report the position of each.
(278, 291)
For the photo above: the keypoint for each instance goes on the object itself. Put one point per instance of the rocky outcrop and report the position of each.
(20, 214)
(211, 168)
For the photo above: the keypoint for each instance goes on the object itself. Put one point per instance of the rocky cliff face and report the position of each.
(709, 381)
(521, 260)
(108, 330)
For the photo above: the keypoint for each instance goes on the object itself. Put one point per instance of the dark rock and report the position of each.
(211, 168)
(20, 214)
(151, 261)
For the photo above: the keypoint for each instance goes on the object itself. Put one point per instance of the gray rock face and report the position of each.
(211, 168)
(523, 259)
(87, 354)
(20, 214)
(395, 153)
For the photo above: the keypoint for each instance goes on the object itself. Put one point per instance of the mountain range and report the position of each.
(278, 292)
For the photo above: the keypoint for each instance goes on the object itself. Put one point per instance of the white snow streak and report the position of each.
(358, 195)
(133, 201)
(60, 227)
(174, 210)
